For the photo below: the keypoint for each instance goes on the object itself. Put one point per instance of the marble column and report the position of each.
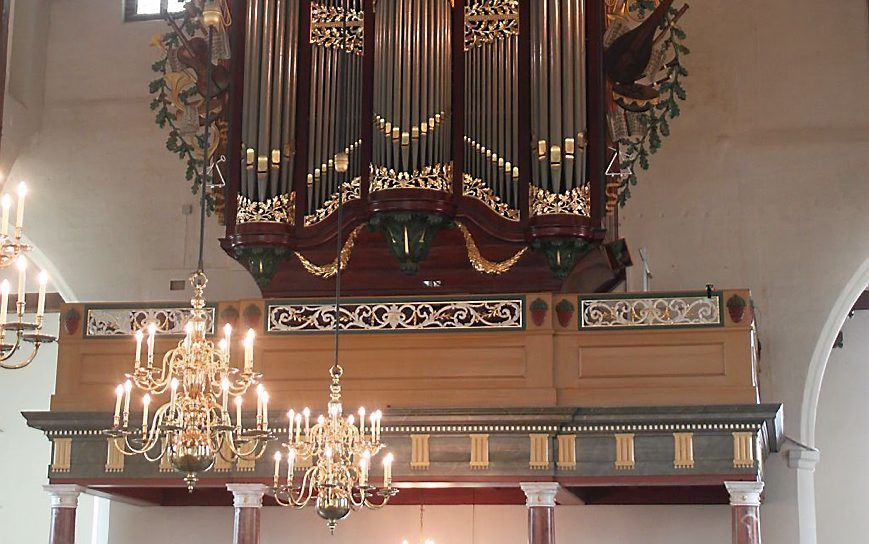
(745, 511)
(540, 499)
(248, 502)
(64, 500)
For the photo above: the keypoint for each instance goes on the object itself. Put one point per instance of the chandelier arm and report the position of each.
(14, 348)
(23, 363)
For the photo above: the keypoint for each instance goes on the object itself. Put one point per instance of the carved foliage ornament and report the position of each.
(114, 321)
(489, 20)
(684, 311)
(280, 209)
(433, 178)
(333, 26)
(477, 188)
(576, 201)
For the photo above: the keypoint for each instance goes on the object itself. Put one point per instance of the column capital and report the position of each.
(247, 495)
(63, 495)
(540, 493)
(744, 493)
(801, 459)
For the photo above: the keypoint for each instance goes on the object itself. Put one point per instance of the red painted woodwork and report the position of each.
(541, 525)
(746, 524)
(246, 526)
(62, 530)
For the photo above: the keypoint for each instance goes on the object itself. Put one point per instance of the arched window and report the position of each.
(139, 10)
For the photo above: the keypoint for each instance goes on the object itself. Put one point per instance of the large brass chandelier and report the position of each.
(13, 250)
(341, 450)
(195, 424)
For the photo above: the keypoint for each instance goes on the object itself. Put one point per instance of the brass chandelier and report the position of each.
(341, 449)
(13, 250)
(195, 425)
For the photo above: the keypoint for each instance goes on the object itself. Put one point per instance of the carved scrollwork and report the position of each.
(685, 311)
(575, 202)
(279, 209)
(114, 321)
(333, 26)
(477, 188)
(432, 178)
(351, 190)
(489, 20)
(398, 315)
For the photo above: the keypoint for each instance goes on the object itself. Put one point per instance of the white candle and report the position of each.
(379, 417)
(224, 385)
(291, 466)
(363, 470)
(298, 426)
(291, 416)
(43, 284)
(22, 192)
(152, 332)
(119, 395)
(21, 264)
(307, 413)
(139, 337)
(4, 300)
(265, 411)
(259, 406)
(277, 466)
(227, 336)
(248, 351)
(387, 470)
(362, 422)
(146, 402)
(238, 401)
(173, 385)
(7, 203)
(128, 386)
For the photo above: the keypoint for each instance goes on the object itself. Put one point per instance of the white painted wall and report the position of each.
(444, 524)
(841, 478)
(25, 453)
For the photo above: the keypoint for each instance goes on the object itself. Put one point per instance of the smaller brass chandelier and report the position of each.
(195, 425)
(13, 251)
(340, 451)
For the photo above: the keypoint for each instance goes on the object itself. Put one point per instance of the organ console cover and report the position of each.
(475, 145)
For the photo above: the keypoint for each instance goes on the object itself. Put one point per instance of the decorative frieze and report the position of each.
(479, 451)
(419, 453)
(431, 178)
(626, 312)
(487, 21)
(684, 450)
(243, 464)
(625, 452)
(61, 459)
(566, 451)
(110, 321)
(223, 460)
(397, 315)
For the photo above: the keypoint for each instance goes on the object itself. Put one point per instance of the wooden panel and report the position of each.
(651, 361)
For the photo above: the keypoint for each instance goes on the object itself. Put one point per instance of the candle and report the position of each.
(173, 385)
(22, 192)
(307, 413)
(277, 466)
(238, 401)
(7, 203)
(152, 332)
(4, 300)
(298, 426)
(259, 406)
(363, 470)
(128, 386)
(362, 422)
(291, 466)
(387, 470)
(265, 411)
(227, 336)
(139, 337)
(146, 401)
(378, 416)
(222, 346)
(224, 385)
(43, 283)
(291, 416)
(21, 264)
(248, 351)
(119, 395)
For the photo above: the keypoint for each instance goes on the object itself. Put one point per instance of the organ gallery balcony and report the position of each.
(615, 396)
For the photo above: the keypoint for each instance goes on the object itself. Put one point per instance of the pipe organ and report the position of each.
(462, 125)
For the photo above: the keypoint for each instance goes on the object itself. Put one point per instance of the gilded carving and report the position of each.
(477, 188)
(489, 20)
(333, 26)
(608, 313)
(279, 209)
(351, 191)
(480, 263)
(576, 201)
(329, 270)
(432, 178)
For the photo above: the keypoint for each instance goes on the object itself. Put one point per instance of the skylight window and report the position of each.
(138, 10)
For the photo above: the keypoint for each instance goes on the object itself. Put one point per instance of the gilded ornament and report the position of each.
(329, 270)
(487, 21)
(351, 191)
(477, 188)
(278, 209)
(333, 26)
(480, 263)
(576, 201)
(433, 178)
